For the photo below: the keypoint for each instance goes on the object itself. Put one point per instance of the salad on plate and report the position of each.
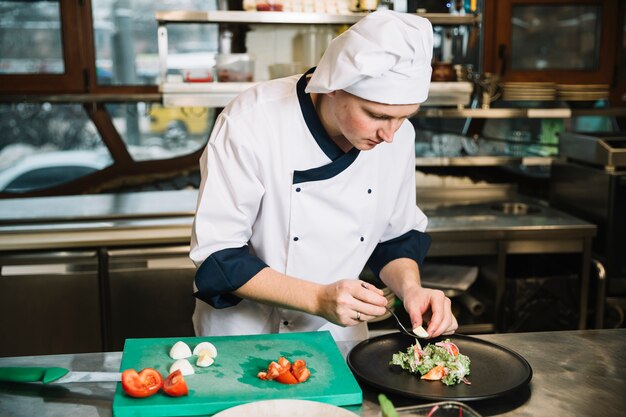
(440, 361)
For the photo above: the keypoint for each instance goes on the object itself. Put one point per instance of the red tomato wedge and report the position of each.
(287, 377)
(286, 372)
(284, 362)
(300, 371)
(175, 384)
(143, 384)
(450, 347)
(435, 374)
(301, 374)
(300, 363)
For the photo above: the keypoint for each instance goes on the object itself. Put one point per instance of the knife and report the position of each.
(54, 375)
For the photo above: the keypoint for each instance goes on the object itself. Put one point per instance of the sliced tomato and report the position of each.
(300, 371)
(284, 362)
(143, 384)
(450, 347)
(273, 370)
(175, 384)
(300, 363)
(286, 372)
(418, 354)
(287, 378)
(301, 374)
(435, 374)
(453, 349)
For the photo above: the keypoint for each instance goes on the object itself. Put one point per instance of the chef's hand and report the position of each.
(425, 304)
(349, 302)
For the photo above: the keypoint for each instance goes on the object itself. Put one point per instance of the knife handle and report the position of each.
(31, 374)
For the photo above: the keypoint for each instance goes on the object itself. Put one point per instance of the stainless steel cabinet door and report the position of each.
(150, 294)
(49, 303)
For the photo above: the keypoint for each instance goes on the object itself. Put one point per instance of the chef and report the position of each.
(308, 179)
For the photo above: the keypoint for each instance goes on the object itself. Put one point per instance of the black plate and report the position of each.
(495, 370)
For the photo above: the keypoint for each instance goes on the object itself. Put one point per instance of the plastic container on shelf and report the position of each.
(198, 75)
(234, 67)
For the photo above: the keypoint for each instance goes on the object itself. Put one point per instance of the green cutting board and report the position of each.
(232, 379)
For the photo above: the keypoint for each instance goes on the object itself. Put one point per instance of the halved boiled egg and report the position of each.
(205, 358)
(420, 332)
(180, 350)
(205, 346)
(184, 366)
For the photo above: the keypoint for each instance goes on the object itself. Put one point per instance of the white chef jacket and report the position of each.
(277, 191)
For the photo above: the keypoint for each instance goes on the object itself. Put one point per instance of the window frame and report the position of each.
(72, 80)
(498, 41)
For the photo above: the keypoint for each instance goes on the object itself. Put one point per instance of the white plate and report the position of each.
(286, 408)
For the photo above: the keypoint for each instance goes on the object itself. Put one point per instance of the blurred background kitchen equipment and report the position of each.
(454, 281)
(490, 89)
(590, 183)
(443, 71)
(517, 142)
(447, 144)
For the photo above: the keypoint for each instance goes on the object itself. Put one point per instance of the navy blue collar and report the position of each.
(330, 148)
(340, 159)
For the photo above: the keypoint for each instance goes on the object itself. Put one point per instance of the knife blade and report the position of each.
(54, 375)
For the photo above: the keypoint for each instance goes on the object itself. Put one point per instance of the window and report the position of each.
(152, 132)
(58, 58)
(36, 51)
(45, 144)
(556, 41)
(30, 38)
(125, 38)
(555, 37)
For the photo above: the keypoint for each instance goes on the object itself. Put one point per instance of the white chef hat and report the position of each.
(384, 57)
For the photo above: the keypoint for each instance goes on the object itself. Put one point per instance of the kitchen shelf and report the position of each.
(220, 16)
(202, 94)
(480, 161)
(527, 113)
(220, 94)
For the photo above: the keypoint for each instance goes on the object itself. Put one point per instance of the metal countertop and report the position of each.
(97, 207)
(166, 217)
(577, 373)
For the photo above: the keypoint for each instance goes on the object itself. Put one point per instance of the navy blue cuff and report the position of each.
(413, 245)
(223, 272)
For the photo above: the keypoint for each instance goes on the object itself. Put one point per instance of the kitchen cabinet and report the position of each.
(561, 41)
(92, 300)
(50, 302)
(82, 273)
(149, 293)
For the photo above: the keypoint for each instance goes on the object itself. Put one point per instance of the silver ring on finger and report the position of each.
(358, 316)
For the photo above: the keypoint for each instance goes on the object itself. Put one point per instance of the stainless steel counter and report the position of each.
(575, 373)
(166, 217)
